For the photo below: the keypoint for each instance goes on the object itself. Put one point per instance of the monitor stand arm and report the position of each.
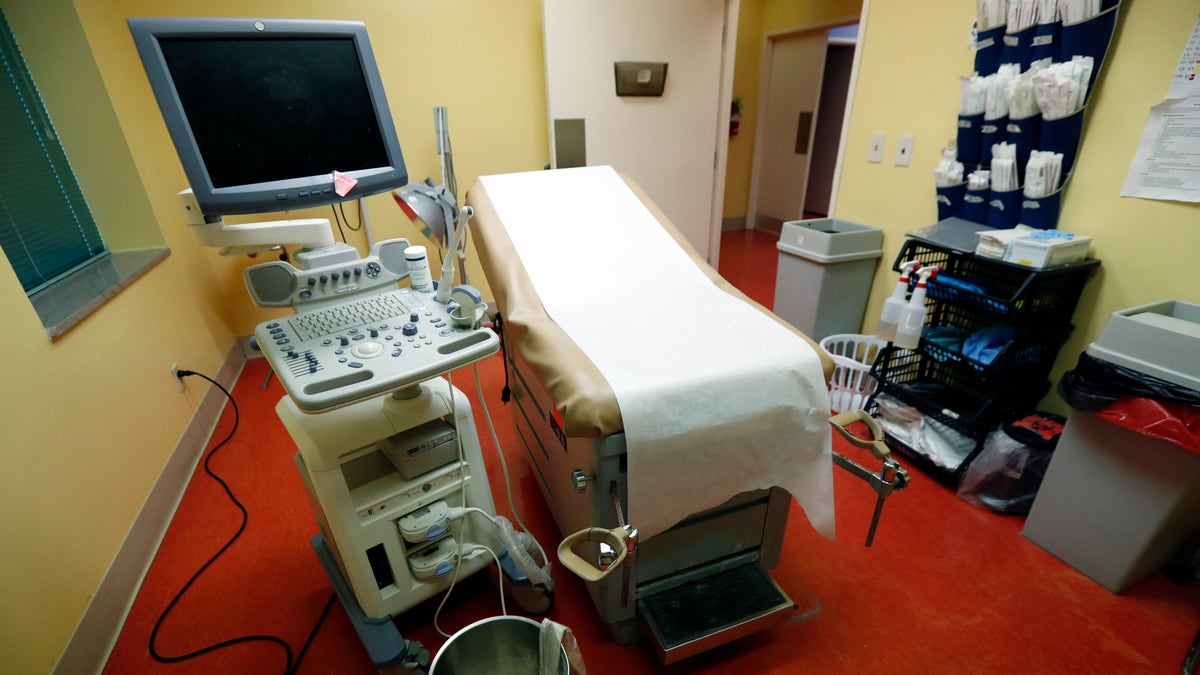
(314, 235)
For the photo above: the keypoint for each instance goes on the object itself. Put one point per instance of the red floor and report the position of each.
(946, 587)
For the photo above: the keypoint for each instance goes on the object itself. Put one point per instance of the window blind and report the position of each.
(46, 228)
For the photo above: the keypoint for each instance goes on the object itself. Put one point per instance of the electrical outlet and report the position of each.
(904, 149)
(875, 154)
(178, 380)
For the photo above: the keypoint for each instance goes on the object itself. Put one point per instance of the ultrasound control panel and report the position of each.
(358, 335)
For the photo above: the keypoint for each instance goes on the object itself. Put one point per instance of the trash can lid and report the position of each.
(1160, 339)
(830, 240)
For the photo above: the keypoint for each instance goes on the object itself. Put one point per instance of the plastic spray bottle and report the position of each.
(894, 305)
(912, 319)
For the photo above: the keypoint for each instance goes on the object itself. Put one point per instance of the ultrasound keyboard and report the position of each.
(360, 339)
(372, 309)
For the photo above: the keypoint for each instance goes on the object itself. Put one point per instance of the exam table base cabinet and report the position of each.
(746, 530)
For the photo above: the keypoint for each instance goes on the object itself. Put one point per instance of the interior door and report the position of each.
(669, 144)
(795, 68)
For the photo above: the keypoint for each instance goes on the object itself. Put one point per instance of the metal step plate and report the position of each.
(688, 619)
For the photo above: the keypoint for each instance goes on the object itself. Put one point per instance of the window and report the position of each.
(48, 232)
(46, 228)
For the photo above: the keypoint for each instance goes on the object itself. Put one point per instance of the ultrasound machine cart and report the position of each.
(387, 449)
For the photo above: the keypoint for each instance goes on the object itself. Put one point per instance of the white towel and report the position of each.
(994, 243)
(717, 398)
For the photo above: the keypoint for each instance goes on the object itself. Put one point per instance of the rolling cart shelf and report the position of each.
(1019, 294)
(1032, 359)
(972, 297)
(948, 476)
(1030, 353)
(960, 399)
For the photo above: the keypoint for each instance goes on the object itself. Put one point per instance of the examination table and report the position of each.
(697, 581)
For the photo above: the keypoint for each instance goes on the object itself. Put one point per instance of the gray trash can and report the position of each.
(1116, 503)
(825, 271)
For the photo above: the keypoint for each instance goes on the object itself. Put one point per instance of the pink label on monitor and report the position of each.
(343, 184)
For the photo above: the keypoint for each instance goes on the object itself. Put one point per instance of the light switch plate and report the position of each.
(904, 150)
(875, 154)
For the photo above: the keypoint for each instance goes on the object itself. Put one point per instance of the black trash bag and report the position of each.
(1095, 383)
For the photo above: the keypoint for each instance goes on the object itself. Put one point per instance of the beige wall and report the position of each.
(1147, 249)
(90, 418)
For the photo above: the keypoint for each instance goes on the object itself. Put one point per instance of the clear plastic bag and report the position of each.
(1005, 476)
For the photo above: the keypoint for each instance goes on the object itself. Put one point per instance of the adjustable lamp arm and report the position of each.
(456, 236)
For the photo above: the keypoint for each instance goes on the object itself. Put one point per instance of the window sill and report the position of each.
(67, 301)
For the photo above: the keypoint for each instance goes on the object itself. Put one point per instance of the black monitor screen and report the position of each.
(263, 112)
(268, 110)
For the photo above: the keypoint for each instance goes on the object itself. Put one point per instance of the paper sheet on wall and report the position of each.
(1167, 162)
(715, 396)
(1185, 81)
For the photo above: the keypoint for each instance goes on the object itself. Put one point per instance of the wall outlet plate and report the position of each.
(875, 153)
(904, 150)
(175, 374)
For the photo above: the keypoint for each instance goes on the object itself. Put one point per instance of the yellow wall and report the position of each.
(913, 55)
(788, 15)
(746, 65)
(90, 419)
(756, 20)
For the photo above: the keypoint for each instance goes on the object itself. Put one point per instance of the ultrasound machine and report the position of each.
(277, 115)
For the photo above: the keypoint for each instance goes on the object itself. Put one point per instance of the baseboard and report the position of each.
(768, 223)
(738, 223)
(94, 637)
(248, 350)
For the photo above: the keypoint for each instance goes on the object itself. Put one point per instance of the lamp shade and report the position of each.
(431, 207)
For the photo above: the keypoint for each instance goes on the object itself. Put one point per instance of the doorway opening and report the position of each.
(805, 84)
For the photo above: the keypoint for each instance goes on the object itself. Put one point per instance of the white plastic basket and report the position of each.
(853, 355)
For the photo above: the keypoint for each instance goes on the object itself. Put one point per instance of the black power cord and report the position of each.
(339, 216)
(506, 392)
(292, 665)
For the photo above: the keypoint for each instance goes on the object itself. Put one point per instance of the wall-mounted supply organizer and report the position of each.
(992, 333)
(1061, 39)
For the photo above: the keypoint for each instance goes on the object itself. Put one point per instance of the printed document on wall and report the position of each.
(1185, 81)
(1167, 162)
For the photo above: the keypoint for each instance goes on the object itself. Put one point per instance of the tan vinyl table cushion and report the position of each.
(581, 395)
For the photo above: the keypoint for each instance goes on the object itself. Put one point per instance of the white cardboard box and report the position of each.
(1047, 252)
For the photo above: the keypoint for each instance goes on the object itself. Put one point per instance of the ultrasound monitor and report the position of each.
(263, 112)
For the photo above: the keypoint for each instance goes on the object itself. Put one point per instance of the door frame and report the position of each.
(764, 80)
(724, 112)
